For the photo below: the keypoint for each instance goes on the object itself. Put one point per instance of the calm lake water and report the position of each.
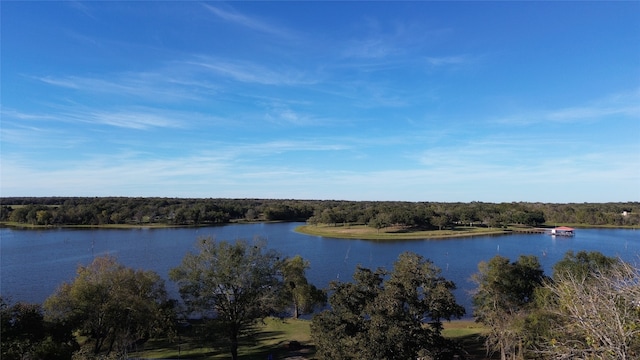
(34, 262)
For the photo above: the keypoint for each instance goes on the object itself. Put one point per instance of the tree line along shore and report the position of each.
(383, 216)
(236, 296)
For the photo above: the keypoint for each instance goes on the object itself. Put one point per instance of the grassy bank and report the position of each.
(275, 337)
(469, 334)
(394, 233)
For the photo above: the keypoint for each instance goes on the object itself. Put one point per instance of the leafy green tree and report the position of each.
(466, 214)
(251, 215)
(583, 263)
(26, 335)
(503, 299)
(19, 214)
(441, 221)
(380, 221)
(329, 216)
(5, 212)
(114, 306)
(22, 328)
(397, 318)
(231, 284)
(303, 296)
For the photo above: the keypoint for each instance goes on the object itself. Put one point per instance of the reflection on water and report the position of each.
(34, 262)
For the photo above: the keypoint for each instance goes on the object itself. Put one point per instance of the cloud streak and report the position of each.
(250, 72)
(625, 105)
(146, 85)
(448, 60)
(129, 120)
(252, 23)
(136, 118)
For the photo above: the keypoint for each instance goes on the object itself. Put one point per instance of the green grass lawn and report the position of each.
(275, 336)
(393, 233)
(469, 334)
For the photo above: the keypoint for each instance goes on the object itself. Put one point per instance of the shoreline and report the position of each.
(24, 226)
(362, 232)
(372, 234)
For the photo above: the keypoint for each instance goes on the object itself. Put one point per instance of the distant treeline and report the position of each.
(57, 211)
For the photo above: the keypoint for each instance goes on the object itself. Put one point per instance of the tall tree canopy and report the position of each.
(232, 284)
(25, 334)
(384, 317)
(502, 300)
(22, 330)
(113, 305)
(302, 295)
(583, 263)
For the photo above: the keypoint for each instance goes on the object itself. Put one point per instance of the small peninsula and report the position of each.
(391, 233)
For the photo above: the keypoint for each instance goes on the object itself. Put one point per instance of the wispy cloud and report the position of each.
(113, 173)
(448, 60)
(621, 104)
(282, 114)
(35, 132)
(477, 172)
(626, 105)
(137, 118)
(130, 120)
(34, 138)
(81, 7)
(522, 156)
(386, 39)
(591, 112)
(234, 152)
(251, 72)
(151, 86)
(196, 79)
(249, 22)
(20, 115)
(371, 48)
(236, 166)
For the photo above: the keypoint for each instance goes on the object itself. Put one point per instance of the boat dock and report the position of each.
(557, 231)
(531, 231)
(562, 231)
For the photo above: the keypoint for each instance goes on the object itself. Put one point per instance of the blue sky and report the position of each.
(412, 101)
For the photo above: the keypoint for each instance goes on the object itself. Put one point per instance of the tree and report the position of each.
(26, 335)
(303, 296)
(441, 221)
(396, 318)
(380, 221)
(593, 310)
(114, 306)
(583, 263)
(233, 284)
(22, 328)
(502, 301)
